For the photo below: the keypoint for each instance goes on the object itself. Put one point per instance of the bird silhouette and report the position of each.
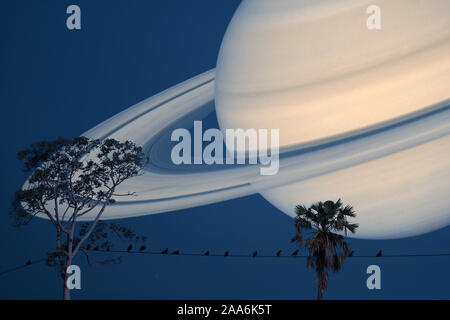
(108, 249)
(165, 251)
(28, 262)
(176, 252)
(255, 254)
(226, 253)
(279, 253)
(207, 253)
(295, 252)
(380, 253)
(351, 253)
(129, 248)
(143, 248)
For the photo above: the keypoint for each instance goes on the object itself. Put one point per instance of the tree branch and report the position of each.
(88, 233)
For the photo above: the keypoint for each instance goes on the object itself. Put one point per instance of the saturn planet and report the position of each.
(363, 115)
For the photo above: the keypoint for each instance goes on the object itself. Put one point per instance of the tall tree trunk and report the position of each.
(66, 291)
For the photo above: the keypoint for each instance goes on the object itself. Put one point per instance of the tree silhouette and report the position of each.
(327, 249)
(72, 180)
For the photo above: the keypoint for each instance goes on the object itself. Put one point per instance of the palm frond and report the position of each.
(348, 211)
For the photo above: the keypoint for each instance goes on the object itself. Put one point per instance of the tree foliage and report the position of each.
(75, 180)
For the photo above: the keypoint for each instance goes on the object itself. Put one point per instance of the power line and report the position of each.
(22, 266)
(274, 256)
(227, 255)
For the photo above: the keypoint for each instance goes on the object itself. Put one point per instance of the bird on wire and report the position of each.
(142, 248)
(165, 251)
(226, 253)
(295, 253)
(207, 253)
(380, 253)
(130, 247)
(279, 253)
(255, 254)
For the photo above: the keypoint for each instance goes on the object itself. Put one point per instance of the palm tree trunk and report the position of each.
(319, 293)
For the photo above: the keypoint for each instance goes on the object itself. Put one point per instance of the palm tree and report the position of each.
(327, 249)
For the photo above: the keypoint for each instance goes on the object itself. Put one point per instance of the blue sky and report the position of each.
(55, 82)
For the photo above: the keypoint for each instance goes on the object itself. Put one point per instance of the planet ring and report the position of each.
(165, 187)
